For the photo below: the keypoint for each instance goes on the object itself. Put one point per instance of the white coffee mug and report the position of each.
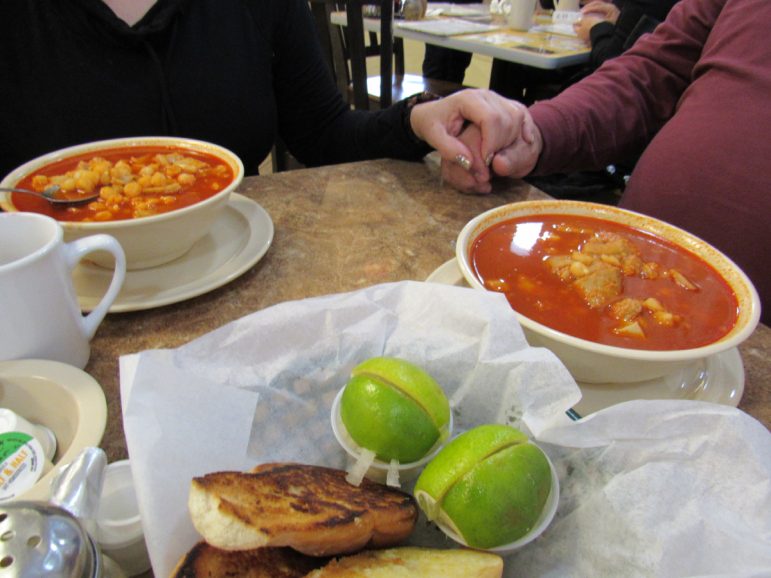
(39, 313)
(520, 14)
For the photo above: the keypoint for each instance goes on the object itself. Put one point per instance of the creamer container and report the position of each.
(22, 462)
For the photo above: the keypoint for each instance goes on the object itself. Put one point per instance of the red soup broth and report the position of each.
(512, 256)
(210, 174)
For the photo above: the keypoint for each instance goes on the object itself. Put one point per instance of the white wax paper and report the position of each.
(648, 488)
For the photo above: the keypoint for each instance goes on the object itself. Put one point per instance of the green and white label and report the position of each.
(21, 464)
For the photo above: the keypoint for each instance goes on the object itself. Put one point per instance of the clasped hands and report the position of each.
(479, 134)
(593, 13)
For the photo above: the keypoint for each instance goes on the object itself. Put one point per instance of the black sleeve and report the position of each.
(316, 124)
(657, 9)
(635, 18)
(605, 43)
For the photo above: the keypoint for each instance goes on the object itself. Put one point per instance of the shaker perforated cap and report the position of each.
(38, 539)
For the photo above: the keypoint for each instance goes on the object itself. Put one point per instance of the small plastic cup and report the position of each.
(119, 527)
(546, 517)
(390, 473)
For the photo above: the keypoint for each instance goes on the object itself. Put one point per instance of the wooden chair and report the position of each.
(281, 159)
(348, 52)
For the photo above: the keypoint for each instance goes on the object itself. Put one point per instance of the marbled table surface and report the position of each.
(340, 228)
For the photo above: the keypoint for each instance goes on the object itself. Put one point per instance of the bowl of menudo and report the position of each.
(156, 195)
(618, 296)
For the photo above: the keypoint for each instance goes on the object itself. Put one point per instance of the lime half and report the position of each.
(395, 409)
(488, 486)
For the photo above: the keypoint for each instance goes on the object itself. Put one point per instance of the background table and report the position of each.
(340, 228)
(537, 49)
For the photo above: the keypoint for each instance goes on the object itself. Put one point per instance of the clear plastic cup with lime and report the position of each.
(391, 418)
(490, 488)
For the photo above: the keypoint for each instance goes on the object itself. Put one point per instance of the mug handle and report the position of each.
(74, 252)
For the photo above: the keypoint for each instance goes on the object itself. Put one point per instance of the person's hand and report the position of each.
(499, 120)
(476, 179)
(583, 27)
(593, 13)
(608, 11)
(515, 160)
(519, 159)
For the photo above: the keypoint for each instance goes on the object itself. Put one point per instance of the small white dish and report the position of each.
(448, 273)
(119, 527)
(61, 398)
(717, 379)
(237, 240)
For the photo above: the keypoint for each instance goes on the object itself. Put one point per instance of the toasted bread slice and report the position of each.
(414, 562)
(205, 561)
(310, 508)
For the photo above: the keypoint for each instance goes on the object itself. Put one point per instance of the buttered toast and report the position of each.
(309, 508)
(412, 563)
(205, 561)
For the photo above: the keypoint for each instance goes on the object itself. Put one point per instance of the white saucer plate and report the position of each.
(237, 240)
(717, 379)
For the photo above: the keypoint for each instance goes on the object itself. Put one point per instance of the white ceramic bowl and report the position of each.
(147, 241)
(591, 362)
(60, 397)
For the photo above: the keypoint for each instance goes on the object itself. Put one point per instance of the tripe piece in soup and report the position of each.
(132, 182)
(605, 282)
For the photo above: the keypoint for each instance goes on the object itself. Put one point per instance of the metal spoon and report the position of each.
(48, 195)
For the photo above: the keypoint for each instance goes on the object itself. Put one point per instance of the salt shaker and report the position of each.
(53, 539)
(41, 539)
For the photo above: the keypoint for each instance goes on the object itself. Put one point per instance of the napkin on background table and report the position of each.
(448, 26)
(648, 488)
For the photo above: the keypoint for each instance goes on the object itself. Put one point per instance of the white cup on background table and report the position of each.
(520, 14)
(567, 5)
(39, 313)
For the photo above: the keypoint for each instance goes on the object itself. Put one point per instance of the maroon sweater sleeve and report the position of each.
(613, 113)
(695, 96)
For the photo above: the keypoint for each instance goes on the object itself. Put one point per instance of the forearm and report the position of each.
(613, 113)
(316, 124)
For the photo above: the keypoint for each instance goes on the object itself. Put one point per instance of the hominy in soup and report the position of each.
(132, 182)
(605, 282)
